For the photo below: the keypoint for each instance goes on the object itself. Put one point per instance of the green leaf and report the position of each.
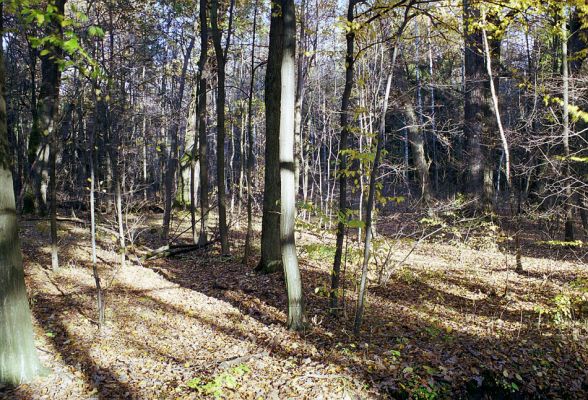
(193, 383)
(230, 381)
(355, 223)
(95, 31)
(71, 45)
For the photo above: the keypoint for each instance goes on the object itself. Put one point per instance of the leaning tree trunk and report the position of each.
(220, 128)
(18, 356)
(369, 210)
(271, 254)
(286, 153)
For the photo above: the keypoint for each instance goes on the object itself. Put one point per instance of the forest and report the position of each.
(293, 199)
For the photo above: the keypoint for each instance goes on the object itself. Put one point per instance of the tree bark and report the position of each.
(172, 161)
(220, 128)
(271, 252)
(202, 126)
(342, 157)
(18, 357)
(417, 145)
(99, 294)
(368, 211)
(568, 202)
(286, 154)
(474, 102)
(250, 155)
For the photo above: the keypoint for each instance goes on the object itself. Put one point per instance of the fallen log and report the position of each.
(176, 249)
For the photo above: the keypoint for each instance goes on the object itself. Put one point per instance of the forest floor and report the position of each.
(453, 321)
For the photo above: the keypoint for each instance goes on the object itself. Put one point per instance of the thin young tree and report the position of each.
(250, 154)
(220, 123)
(97, 281)
(569, 210)
(202, 126)
(342, 155)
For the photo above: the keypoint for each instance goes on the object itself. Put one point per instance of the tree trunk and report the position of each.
(250, 155)
(568, 203)
(220, 128)
(342, 157)
(202, 126)
(172, 161)
(271, 253)
(99, 295)
(369, 209)
(417, 145)
(18, 357)
(474, 101)
(286, 153)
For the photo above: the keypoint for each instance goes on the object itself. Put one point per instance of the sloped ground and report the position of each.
(452, 322)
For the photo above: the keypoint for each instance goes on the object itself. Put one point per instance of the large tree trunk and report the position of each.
(18, 356)
(286, 151)
(271, 254)
(220, 128)
(342, 156)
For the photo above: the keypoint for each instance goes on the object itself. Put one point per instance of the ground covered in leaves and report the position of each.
(445, 319)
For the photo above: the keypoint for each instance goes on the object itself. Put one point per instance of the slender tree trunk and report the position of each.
(99, 294)
(369, 209)
(119, 218)
(53, 201)
(202, 126)
(220, 128)
(190, 166)
(569, 210)
(342, 156)
(432, 112)
(250, 155)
